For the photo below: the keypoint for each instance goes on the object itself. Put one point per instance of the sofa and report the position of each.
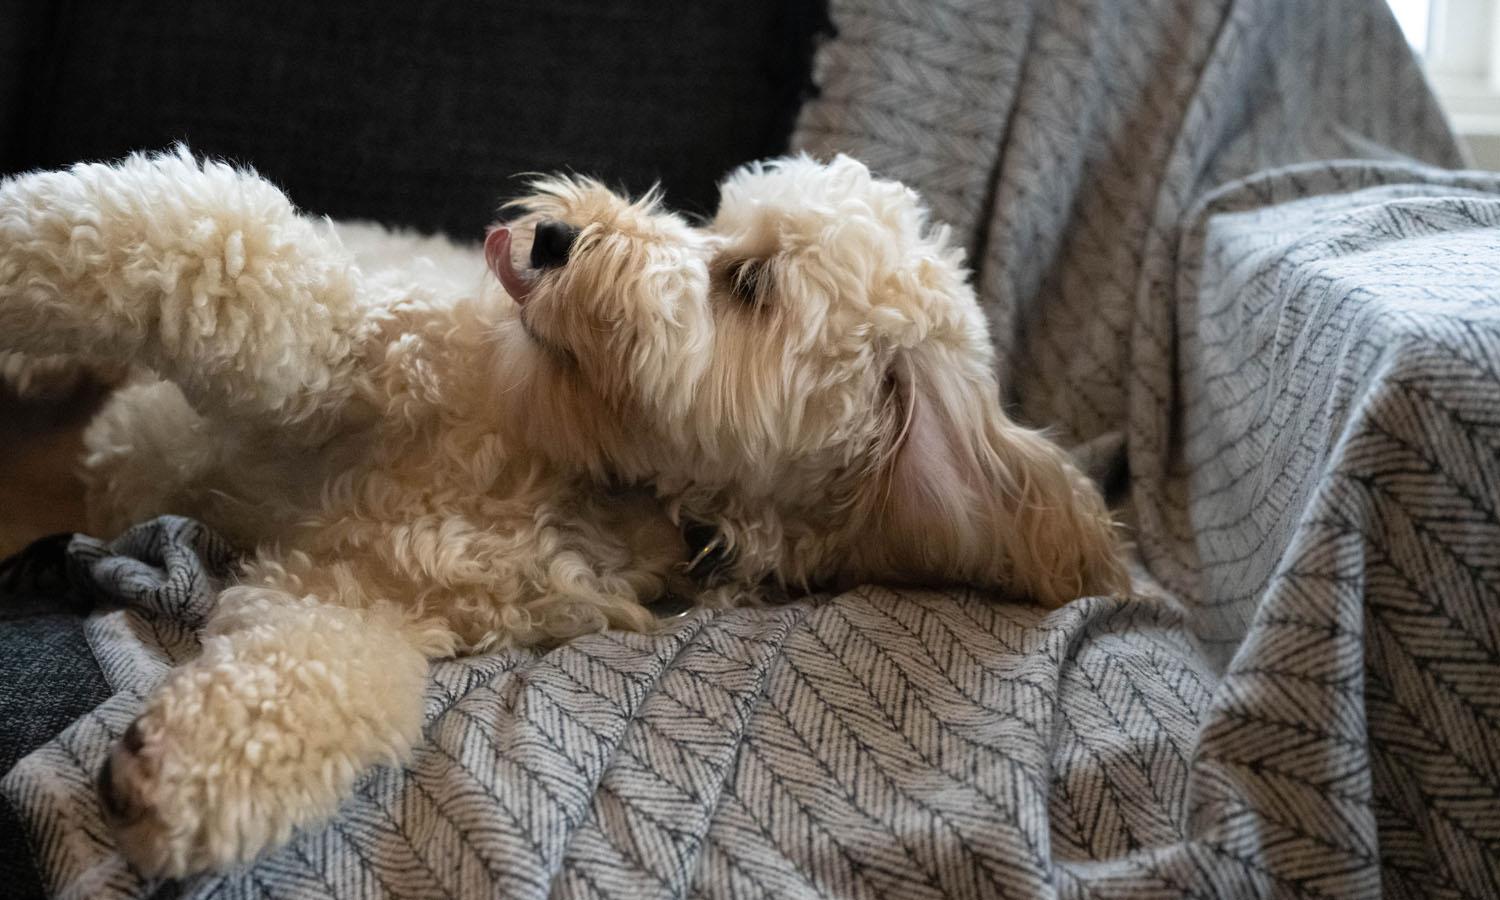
(1229, 254)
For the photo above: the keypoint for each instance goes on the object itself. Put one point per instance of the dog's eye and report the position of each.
(745, 280)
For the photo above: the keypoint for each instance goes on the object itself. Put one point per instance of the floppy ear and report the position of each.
(972, 497)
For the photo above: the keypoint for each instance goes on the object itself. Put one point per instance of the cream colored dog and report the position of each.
(426, 464)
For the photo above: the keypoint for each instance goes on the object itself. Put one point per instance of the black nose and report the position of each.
(551, 243)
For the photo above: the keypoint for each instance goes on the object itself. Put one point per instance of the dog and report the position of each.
(422, 462)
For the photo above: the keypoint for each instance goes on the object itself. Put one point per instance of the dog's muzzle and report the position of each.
(551, 244)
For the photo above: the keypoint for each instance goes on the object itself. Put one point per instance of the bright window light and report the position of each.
(1413, 16)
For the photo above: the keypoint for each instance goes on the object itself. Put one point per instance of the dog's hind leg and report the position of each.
(267, 731)
(200, 271)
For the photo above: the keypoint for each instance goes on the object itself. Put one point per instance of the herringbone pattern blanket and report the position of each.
(1208, 233)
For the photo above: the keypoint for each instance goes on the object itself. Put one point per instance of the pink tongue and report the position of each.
(497, 255)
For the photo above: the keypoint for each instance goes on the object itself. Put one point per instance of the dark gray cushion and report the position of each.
(420, 113)
(48, 678)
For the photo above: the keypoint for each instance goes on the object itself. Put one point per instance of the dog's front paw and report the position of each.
(264, 733)
(173, 815)
(221, 765)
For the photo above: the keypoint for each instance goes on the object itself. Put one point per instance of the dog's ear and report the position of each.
(972, 497)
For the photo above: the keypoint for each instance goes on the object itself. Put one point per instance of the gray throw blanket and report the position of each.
(1205, 233)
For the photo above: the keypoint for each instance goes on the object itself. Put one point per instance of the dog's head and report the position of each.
(810, 371)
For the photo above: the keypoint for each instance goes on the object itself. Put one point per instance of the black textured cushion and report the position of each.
(420, 113)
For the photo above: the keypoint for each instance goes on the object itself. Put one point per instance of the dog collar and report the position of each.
(705, 565)
(705, 543)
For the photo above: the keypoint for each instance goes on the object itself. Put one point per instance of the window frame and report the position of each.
(1463, 62)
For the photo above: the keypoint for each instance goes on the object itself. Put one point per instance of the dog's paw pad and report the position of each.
(119, 781)
(132, 795)
(132, 741)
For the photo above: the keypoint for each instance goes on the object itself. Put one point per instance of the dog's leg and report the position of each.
(291, 700)
(199, 271)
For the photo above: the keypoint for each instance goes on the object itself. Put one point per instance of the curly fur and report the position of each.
(812, 374)
(423, 465)
(53, 378)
